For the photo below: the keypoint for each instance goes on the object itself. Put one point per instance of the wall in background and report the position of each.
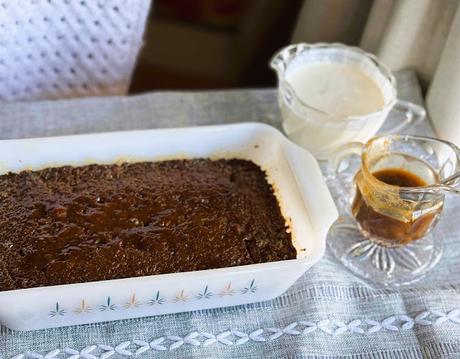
(198, 44)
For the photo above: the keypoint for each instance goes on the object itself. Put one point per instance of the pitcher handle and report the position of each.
(412, 115)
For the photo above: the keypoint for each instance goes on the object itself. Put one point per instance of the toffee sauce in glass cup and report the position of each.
(397, 197)
(383, 207)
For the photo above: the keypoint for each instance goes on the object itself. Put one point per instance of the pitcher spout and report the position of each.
(281, 59)
(278, 65)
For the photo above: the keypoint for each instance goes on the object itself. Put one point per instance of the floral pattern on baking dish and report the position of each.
(182, 295)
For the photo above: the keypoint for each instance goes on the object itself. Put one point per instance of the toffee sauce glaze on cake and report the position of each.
(97, 222)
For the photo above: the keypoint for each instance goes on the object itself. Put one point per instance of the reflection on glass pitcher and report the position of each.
(332, 94)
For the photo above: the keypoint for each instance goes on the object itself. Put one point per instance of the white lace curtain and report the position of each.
(420, 34)
(68, 48)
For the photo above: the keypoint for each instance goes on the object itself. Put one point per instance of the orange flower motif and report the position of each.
(181, 297)
(132, 302)
(228, 290)
(83, 308)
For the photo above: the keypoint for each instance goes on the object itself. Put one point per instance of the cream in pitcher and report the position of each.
(337, 89)
(332, 94)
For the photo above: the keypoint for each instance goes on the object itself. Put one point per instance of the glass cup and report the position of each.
(391, 193)
(321, 132)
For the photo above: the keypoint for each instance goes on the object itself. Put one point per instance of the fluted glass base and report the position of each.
(395, 266)
(382, 266)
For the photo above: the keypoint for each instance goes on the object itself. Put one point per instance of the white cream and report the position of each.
(342, 91)
(337, 89)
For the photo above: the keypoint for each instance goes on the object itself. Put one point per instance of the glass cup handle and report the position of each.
(413, 114)
(451, 184)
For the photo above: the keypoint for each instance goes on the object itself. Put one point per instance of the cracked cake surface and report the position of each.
(96, 222)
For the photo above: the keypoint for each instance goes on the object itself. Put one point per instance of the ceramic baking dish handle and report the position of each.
(313, 188)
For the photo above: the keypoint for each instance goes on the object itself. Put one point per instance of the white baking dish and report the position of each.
(299, 187)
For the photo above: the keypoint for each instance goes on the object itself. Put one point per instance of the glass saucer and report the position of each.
(382, 266)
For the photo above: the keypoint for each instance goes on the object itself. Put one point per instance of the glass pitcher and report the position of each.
(321, 132)
(391, 192)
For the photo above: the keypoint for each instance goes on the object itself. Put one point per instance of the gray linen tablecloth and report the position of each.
(328, 313)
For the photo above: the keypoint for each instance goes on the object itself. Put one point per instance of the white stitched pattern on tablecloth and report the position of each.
(236, 337)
